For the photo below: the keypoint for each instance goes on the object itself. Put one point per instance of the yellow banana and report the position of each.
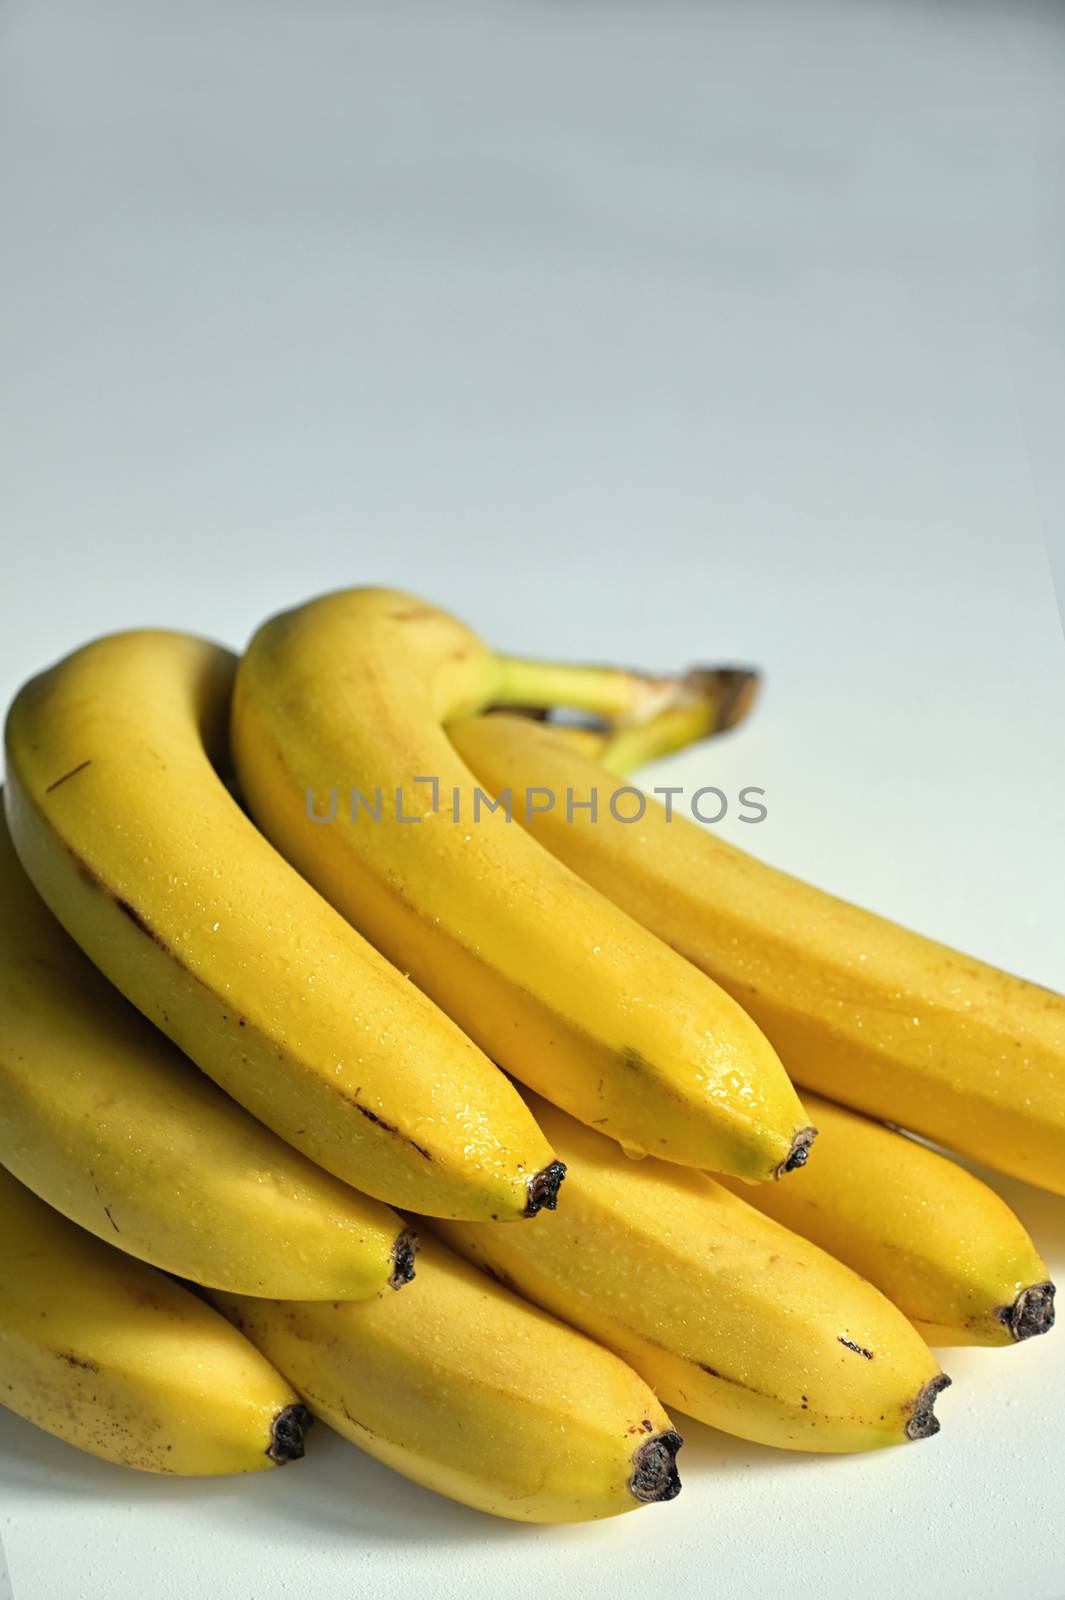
(104, 1119)
(938, 1242)
(726, 1314)
(567, 993)
(473, 1393)
(124, 1363)
(860, 1009)
(130, 836)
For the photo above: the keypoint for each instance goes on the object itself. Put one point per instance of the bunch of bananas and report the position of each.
(268, 870)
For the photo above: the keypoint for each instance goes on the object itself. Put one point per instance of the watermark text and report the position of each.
(426, 797)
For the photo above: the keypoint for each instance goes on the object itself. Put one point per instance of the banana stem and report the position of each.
(614, 693)
(721, 698)
(709, 700)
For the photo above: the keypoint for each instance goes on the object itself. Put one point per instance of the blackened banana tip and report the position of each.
(1031, 1313)
(655, 1476)
(403, 1252)
(543, 1189)
(799, 1153)
(286, 1435)
(732, 689)
(739, 685)
(924, 1423)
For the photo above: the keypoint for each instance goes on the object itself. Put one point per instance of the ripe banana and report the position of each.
(726, 1314)
(473, 1393)
(938, 1242)
(860, 1009)
(556, 984)
(117, 1359)
(105, 1120)
(131, 837)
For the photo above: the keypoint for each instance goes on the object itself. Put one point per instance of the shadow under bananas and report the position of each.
(1041, 1212)
(335, 1489)
(707, 1453)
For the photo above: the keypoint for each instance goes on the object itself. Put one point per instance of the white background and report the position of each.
(647, 332)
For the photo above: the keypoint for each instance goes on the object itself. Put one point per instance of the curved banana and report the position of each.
(132, 839)
(939, 1243)
(473, 1393)
(726, 1314)
(348, 694)
(117, 1359)
(101, 1117)
(860, 1009)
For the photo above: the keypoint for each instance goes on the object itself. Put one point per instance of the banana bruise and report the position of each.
(122, 1362)
(563, 990)
(464, 1388)
(861, 1010)
(939, 1243)
(106, 1121)
(120, 818)
(727, 1315)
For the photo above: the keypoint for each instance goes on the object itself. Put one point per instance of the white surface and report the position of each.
(657, 333)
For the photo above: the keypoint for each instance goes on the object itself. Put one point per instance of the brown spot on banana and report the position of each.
(355, 1423)
(498, 1276)
(87, 875)
(138, 921)
(77, 1361)
(413, 614)
(721, 1377)
(71, 774)
(388, 1127)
